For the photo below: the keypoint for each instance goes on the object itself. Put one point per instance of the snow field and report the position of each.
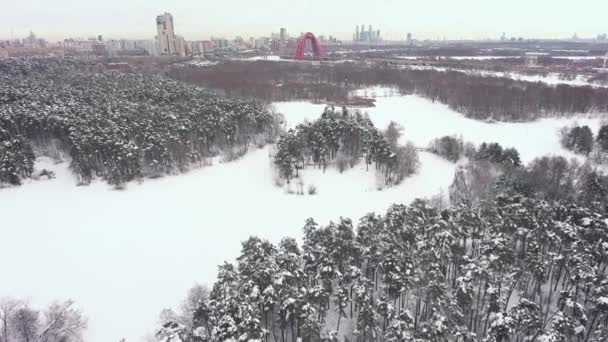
(424, 121)
(550, 78)
(125, 255)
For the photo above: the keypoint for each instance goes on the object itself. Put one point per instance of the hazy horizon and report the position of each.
(470, 19)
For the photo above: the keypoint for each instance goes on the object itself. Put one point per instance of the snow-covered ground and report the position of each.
(550, 78)
(125, 255)
(424, 121)
(201, 63)
(481, 58)
(273, 58)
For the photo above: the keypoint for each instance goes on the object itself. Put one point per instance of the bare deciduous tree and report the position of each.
(393, 132)
(63, 323)
(7, 308)
(196, 294)
(25, 324)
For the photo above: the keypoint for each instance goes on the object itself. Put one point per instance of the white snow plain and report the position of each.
(490, 57)
(424, 121)
(549, 78)
(273, 58)
(125, 255)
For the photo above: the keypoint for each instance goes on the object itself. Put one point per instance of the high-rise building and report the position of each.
(167, 41)
(357, 35)
(283, 34)
(181, 48)
(363, 36)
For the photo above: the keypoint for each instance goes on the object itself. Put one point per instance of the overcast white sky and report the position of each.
(200, 19)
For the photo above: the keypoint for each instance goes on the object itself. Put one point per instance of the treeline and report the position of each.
(475, 96)
(117, 126)
(453, 148)
(580, 139)
(550, 178)
(59, 322)
(495, 153)
(513, 268)
(16, 158)
(344, 138)
(485, 97)
(268, 81)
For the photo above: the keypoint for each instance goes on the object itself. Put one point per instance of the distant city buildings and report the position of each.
(369, 36)
(111, 48)
(79, 46)
(31, 41)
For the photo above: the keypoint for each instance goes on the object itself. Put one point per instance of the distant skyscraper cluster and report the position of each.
(368, 36)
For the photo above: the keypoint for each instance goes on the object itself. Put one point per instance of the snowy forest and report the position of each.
(344, 138)
(525, 263)
(475, 96)
(117, 126)
(515, 251)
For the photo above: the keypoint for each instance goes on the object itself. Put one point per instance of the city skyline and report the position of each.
(469, 20)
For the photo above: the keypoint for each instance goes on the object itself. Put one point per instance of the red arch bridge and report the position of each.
(301, 47)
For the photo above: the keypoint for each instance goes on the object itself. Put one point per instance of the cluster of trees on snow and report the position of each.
(551, 178)
(59, 322)
(581, 140)
(475, 96)
(578, 139)
(474, 181)
(344, 138)
(515, 267)
(269, 81)
(117, 126)
(16, 158)
(495, 153)
(172, 324)
(453, 148)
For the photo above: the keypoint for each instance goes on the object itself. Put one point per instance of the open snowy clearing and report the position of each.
(125, 255)
(550, 78)
(424, 121)
(266, 58)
